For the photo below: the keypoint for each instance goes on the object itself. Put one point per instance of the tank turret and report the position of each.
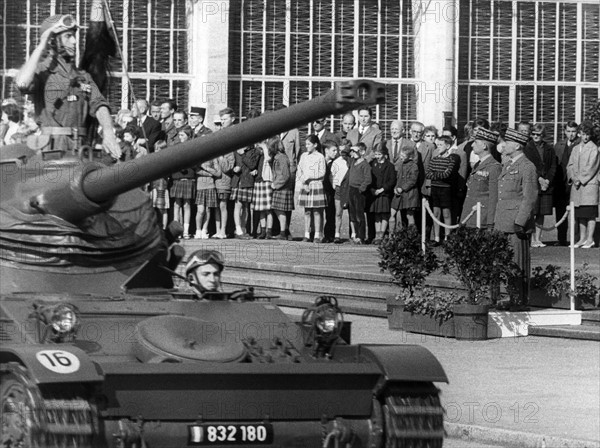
(68, 225)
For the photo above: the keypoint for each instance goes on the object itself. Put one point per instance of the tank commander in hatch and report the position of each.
(64, 95)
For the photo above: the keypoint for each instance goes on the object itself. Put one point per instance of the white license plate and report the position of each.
(234, 434)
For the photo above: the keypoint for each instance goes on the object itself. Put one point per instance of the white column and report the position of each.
(435, 24)
(209, 55)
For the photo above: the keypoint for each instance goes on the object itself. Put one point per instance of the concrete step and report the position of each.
(590, 317)
(586, 332)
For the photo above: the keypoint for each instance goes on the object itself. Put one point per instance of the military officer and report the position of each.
(482, 184)
(517, 196)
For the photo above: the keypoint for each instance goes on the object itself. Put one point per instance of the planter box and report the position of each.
(539, 298)
(418, 323)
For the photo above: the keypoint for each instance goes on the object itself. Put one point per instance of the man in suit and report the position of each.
(394, 145)
(151, 129)
(562, 188)
(367, 132)
(196, 121)
(517, 195)
(482, 185)
(321, 131)
(348, 122)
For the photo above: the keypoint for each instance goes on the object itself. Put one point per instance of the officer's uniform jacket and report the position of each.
(482, 186)
(517, 195)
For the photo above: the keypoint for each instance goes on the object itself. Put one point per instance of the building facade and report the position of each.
(441, 60)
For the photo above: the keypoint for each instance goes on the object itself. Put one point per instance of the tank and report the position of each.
(99, 349)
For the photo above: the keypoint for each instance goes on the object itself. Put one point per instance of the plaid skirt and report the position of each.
(312, 195)
(160, 199)
(183, 189)
(207, 197)
(262, 196)
(283, 200)
(242, 194)
(544, 205)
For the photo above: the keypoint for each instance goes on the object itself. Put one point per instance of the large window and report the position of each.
(291, 51)
(152, 34)
(528, 60)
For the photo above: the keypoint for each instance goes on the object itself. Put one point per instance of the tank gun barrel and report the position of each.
(77, 190)
(346, 96)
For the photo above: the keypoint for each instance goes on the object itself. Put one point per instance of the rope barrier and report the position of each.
(449, 226)
(555, 226)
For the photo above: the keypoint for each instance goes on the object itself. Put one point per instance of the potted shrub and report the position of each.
(402, 257)
(552, 286)
(481, 259)
(430, 311)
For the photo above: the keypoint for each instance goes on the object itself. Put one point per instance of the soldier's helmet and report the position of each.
(67, 21)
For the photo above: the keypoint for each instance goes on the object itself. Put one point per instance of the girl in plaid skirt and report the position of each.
(183, 190)
(311, 172)
(160, 191)
(206, 195)
(263, 192)
(283, 184)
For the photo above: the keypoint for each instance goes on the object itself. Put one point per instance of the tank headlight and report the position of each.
(326, 324)
(64, 319)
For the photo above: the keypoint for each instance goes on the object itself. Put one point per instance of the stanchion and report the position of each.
(478, 219)
(572, 250)
(423, 223)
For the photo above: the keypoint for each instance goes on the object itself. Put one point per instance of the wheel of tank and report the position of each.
(20, 420)
(413, 416)
(32, 421)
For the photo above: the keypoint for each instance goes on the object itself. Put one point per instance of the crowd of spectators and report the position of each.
(252, 192)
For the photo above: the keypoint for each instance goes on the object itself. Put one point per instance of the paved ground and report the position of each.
(534, 385)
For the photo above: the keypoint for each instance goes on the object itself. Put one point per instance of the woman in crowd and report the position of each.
(583, 173)
(263, 192)
(206, 195)
(223, 185)
(311, 172)
(160, 191)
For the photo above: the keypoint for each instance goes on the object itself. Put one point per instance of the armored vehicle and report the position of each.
(98, 350)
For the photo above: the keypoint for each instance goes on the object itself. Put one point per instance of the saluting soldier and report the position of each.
(482, 184)
(517, 196)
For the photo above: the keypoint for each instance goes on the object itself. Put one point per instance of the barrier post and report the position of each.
(478, 220)
(572, 250)
(423, 224)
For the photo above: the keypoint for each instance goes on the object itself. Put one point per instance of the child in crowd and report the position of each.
(246, 163)
(160, 191)
(583, 171)
(359, 179)
(382, 185)
(206, 195)
(406, 193)
(442, 172)
(223, 185)
(183, 189)
(263, 192)
(311, 172)
(283, 184)
(337, 172)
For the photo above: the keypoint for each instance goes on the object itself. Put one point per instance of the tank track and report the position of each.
(413, 416)
(49, 421)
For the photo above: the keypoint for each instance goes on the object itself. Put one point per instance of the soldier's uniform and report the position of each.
(482, 186)
(517, 196)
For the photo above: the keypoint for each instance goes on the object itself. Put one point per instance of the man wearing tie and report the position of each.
(321, 131)
(517, 196)
(152, 130)
(367, 132)
(395, 144)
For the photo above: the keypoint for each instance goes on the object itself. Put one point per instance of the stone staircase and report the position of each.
(588, 330)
